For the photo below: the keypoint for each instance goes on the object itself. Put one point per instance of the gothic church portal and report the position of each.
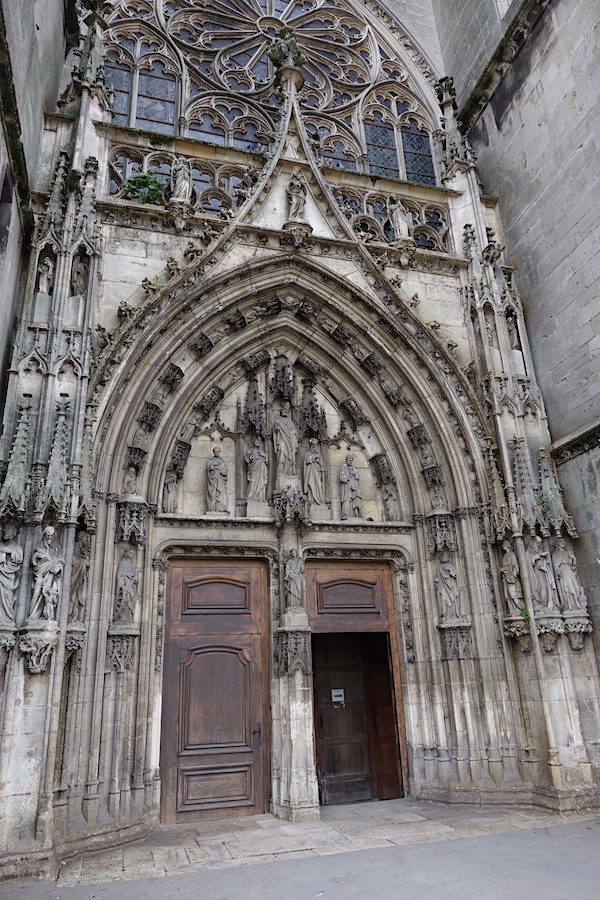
(281, 522)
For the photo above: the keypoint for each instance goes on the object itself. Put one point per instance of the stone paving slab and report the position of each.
(231, 843)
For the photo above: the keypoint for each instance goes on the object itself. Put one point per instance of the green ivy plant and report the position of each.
(525, 616)
(144, 188)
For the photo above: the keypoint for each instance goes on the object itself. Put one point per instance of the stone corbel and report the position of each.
(75, 639)
(180, 213)
(292, 651)
(457, 640)
(37, 640)
(7, 642)
(549, 626)
(121, 647)
(576, 625)
(296, 234)
(516, 627)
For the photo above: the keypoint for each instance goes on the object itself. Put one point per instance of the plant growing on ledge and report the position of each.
(144, 188)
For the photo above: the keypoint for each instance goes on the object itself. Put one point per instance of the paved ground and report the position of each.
(471, 852)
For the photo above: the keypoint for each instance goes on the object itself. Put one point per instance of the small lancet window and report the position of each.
(118, 77)
(418, 158)
(156, 100)
(381, 147)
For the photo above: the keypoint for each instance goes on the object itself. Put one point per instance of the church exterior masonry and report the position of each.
(281, 522)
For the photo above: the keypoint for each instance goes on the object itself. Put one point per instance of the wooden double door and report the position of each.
(214, 746)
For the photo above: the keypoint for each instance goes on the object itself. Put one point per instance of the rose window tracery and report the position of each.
(207, 69)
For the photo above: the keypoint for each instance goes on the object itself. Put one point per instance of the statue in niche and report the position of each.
(513, 332)
(296, 195)
(257, 473)
(350, 493)
(490, 330)
(46, 275)
(127, 585)
(216, 483)
(80, 274)
(390, 502)
(542, 580)
(427, 457)
(294, 578)
(47, 577)
(438, 501)
(510, 580)
(79, 577)
(446, 588)
(181, 181)
(285, 440)
(169, 502)
(569, 587)
(130, 481)
(11, 560)
(314, 474)
(400, 219)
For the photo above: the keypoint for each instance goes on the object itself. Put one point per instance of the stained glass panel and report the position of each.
(156, 100)
(381, 147)
(417, 154)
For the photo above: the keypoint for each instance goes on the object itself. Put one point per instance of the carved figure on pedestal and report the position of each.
(542, 579)
(513, 332)
(130, 481)
(400, 219)
(446, 587)
(314, 474)
(294, 579)
(510, 580)
(569, 587)
(296, 195)
(350, 493)
(170, 493)
(438, 500)
(390, 502)
(285, 441)
(216, 482)
(46, 275)
(11, 560)
(79, 577)
(257, 473)
(181, 181)
(79, 275)
(47, 577)
(127, 585)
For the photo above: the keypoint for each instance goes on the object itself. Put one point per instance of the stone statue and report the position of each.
(216, 482)
(47, 577)
(294, 578)
(543, 585)
(510, 580)
(130, 481)
(285, 440)
(427, 457)
(256, 473)
(390, 502)
(438, 501)
(181, 181)
(350, 493)
(127, 584)
(170, 493)
(79, 275)
(569, 587)
(296, 195)
(513, 333)
(79, 577)
(446, 588)
(314, 474)
(11, 560)
(400, 219)
(46, 275)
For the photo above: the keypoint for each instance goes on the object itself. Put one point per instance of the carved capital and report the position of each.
(548, 629)
(576, 628)
(516, 627)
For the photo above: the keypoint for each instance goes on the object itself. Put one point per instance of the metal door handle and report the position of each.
(258, 732)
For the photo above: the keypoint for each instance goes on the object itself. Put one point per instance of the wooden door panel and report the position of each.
(214, 734)
(208, 674)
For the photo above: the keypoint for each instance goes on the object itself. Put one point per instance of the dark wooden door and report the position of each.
(214, 724)
(357, 744)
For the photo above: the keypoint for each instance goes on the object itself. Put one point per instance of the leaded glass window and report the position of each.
(381, 147)
(118, 77)
(156, 100)
(417, 153)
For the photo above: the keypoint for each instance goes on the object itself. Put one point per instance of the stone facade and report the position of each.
(276, 322)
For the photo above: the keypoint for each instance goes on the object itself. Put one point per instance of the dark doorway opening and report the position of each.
(355, 719)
